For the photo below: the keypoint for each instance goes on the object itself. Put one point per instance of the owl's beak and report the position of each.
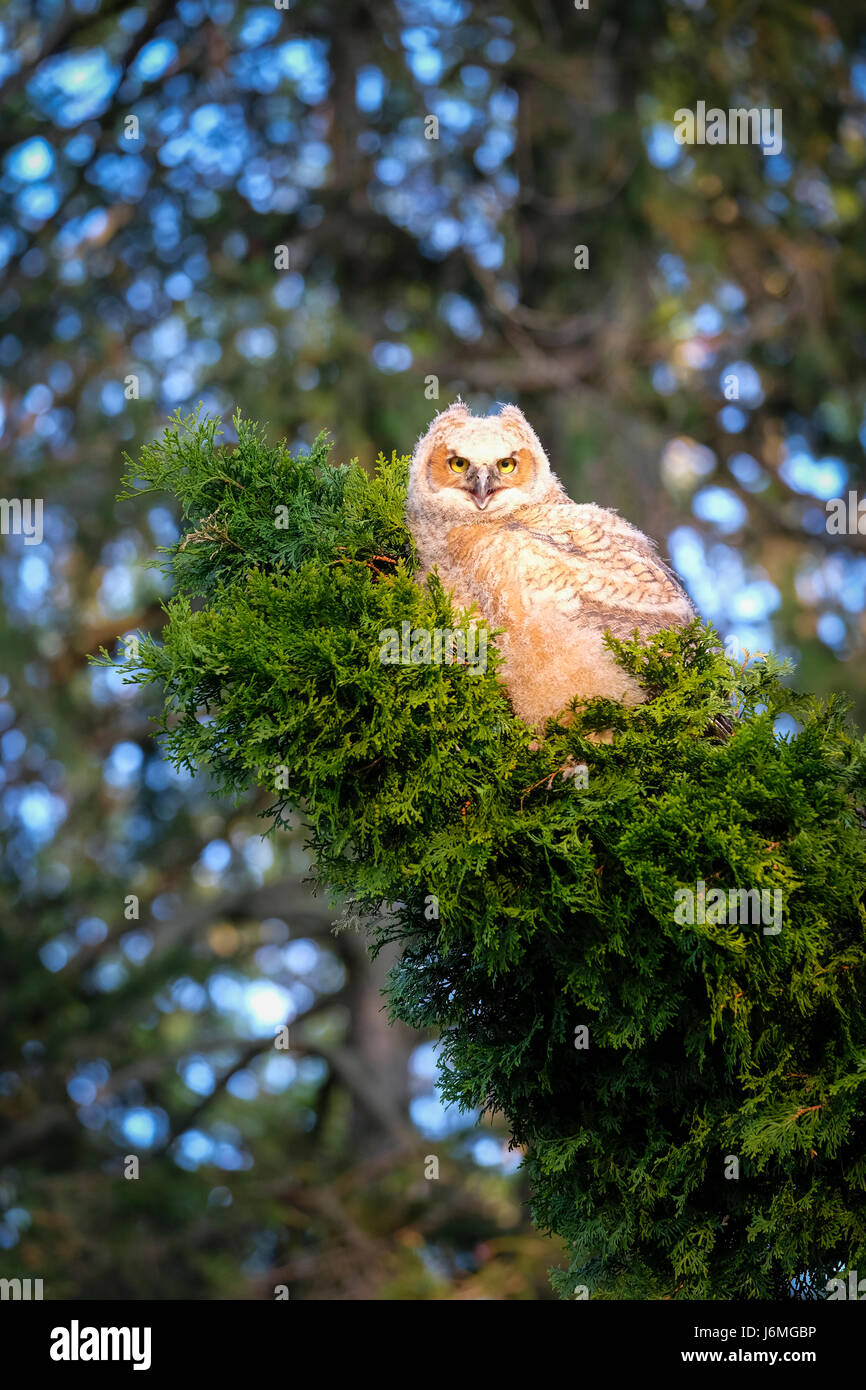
(481, 490)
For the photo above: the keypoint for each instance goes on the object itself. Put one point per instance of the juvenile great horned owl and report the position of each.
(486, 509)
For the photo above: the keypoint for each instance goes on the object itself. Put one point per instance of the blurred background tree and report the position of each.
(340, 215)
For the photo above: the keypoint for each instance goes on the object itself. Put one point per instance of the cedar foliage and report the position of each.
(555, 902)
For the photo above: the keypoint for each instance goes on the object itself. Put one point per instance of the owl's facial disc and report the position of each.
(479, 470)
(479, 480)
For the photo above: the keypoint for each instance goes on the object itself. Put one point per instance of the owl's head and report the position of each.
(478, 467)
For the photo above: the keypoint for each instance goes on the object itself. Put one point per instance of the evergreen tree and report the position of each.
(657, 972)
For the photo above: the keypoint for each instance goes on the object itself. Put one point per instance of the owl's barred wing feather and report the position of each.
(594, 560)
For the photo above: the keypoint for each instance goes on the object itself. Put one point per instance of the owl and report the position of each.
(486, 510)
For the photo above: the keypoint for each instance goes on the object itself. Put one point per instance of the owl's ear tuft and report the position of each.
(515, 415)
(456, 410)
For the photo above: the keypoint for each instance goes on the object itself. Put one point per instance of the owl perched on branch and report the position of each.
(485, 508)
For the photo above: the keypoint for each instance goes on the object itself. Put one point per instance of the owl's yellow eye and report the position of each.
(507, 465)
(458, 465)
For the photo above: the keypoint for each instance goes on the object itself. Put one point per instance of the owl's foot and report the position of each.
(579, 771)
(570, 769)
